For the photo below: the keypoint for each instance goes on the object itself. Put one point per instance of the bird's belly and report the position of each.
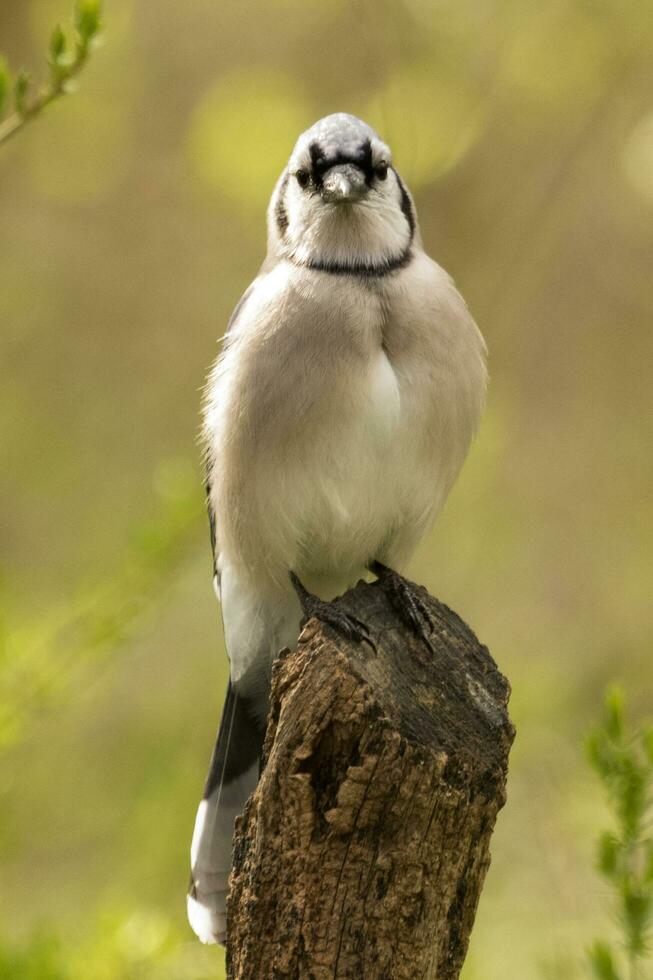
(367, 479)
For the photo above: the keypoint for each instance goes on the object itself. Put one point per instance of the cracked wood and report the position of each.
(363, 851)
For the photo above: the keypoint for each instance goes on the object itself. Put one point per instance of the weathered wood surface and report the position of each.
(363, 851)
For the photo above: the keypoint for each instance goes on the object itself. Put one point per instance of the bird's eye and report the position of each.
(381, 170)
(302, 178)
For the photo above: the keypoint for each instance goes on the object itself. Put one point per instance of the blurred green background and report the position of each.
(132, 219)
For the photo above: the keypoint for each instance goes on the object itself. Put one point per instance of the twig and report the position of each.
(64, 67)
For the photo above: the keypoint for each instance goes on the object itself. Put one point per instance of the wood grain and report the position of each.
(363, 851)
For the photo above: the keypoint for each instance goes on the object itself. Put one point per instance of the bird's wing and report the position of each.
(208, 458)
(234, 767)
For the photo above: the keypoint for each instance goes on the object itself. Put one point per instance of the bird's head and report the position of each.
(340, 205)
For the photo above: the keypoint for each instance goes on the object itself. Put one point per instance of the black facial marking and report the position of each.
(280, 210)
(406, 206)
(366, 161)
(317, 153)
(317, 156)
(320, 162)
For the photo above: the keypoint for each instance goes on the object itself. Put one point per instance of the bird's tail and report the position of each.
(232, 777)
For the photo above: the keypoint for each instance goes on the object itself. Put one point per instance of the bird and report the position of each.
(337, 416)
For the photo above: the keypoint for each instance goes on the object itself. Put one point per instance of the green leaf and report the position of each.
(601, 755)
(57, 45)
(615, 700)
(59, 59)
(637, 913)
(608, 854)
(631, 801)
(625, 857)
(602, 962)
(5, 83)
(87, 20)
(648, 864)
(21, 86)
(647, 742)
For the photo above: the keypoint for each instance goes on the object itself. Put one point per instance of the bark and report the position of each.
(363, 851)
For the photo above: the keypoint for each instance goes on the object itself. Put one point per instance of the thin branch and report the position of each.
(64, 68)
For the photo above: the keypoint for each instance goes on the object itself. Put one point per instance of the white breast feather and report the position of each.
(366, 474)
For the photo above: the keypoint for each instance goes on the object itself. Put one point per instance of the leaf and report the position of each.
(615, 700)
(21, 86)
(59, 59)
(636, 912)
(87, 20)
(647, 742)
(648, 862)
(608, 854)
(625, 858)
(5, 83)
(57, 45)
(631, 801)
(602, 962)
(600, 754)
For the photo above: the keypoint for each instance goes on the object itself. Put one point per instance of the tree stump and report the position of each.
(363, 850)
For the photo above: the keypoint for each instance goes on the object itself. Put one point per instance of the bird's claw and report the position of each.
(327, 612)
(406, 597)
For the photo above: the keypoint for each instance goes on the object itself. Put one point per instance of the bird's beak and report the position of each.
(343, 184)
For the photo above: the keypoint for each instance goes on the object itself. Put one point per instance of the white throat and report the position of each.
(365, 232)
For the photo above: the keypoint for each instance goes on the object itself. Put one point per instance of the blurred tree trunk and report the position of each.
(363, 851)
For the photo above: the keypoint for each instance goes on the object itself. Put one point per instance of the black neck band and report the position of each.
(363, 270)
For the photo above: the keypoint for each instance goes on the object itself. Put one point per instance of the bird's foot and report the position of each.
(407, 599)
(327, 612)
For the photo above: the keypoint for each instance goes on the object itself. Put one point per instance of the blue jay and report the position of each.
(337, 417)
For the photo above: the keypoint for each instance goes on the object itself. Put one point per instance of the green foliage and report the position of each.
(141, 944)
(602, 962)
(132, 225)
(21, 86)
(5, 81)
(39, 660)
(58, 60)
(87, 21)
(64, 68)
(625, 855)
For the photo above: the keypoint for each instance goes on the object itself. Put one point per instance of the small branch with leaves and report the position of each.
(624, 764)
(67, 57)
